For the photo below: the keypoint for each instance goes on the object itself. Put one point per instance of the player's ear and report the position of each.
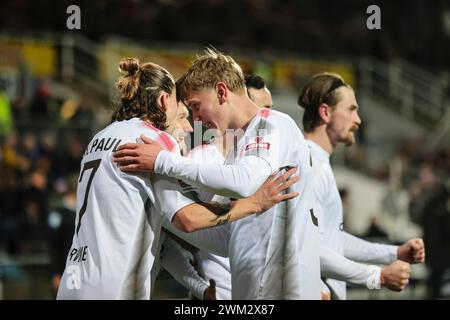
(163, 101)
(324, 112)
(222, 92)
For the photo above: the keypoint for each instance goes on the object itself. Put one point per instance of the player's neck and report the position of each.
(221, 144)
(320, 137)
(245, 111)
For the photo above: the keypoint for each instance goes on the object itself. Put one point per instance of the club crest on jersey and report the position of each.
(258, 144)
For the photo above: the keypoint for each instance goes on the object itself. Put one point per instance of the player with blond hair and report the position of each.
(119, 216)
(273, 255)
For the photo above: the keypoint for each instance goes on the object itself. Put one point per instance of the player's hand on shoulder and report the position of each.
(137, 157)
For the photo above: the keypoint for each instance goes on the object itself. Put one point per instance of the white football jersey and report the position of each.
(215, 267)
(330, 203)
(212, 266)
(275, 254)
(116, 234)
(206, 153)
(344, 246)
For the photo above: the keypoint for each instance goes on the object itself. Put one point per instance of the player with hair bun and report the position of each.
(119, 216)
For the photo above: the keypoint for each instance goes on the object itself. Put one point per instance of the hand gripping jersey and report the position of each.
(116, 234)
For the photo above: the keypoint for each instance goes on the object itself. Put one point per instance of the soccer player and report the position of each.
(272, 256)
(258, 91)
(186, 265)
(182, 128)
(331, 117)
(204, 274)
(208, 266)
(119, 215)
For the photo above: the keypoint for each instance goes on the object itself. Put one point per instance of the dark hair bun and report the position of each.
(130, 65)
(128, 84)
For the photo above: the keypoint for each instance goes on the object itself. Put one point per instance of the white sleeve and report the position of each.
(177, 261)
(168, 196)
(335, 266)
(234, 181)
(205, 196)
(214, 240)
(364, 251)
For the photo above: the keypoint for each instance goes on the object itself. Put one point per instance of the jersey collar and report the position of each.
(318, 150)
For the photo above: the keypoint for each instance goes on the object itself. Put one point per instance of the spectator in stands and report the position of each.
(60, 222)
(37, 192)
(429, 207)
(6, 123)
(32, 234)
(39, 105)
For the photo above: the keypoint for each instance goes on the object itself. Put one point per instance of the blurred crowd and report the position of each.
(40, 154)
(310, 27)
(42, 140)
(39, 169)
(429, 207)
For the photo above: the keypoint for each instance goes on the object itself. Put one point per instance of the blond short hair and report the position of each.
(209, 69)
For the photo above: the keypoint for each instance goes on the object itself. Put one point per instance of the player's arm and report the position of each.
(357, 249)
(234, 181)
(175, 260)
(412, 251)
(197, 216)
(333, 265)
(214, 240)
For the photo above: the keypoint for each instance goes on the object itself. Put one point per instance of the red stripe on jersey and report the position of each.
(147, 124)
(162, 137)
(265, 113)
(165, 140)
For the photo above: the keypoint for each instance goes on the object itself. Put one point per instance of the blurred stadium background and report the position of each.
(57, 88)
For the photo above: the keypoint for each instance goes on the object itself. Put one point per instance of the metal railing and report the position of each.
(406, 89)
(418, 95)
(80, 63)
